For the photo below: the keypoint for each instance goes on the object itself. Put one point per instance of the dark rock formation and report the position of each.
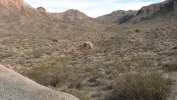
(41, 9)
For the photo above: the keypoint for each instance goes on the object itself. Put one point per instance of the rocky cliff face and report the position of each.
(171, 5)
(146, 10)
(157, 13)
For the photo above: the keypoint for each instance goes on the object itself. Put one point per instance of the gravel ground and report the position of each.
(14, 86)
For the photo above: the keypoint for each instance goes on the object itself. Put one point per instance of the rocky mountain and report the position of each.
(71, 15)
(11, 9)
(159, 12)
(118, 16)
(147, 10)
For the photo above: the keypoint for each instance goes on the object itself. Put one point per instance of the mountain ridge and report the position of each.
(118, 16)
(71, 15)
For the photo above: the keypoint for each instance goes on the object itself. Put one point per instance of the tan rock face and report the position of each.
(10, 9)
(14, 2)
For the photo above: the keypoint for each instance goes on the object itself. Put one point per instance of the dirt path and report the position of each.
(14, 86)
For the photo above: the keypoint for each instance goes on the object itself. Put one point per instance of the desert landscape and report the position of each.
(124, 55)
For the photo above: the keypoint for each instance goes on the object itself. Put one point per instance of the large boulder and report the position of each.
(88, 45)
(14, 86)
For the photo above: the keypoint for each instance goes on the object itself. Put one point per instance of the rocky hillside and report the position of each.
(11, 9)
(118, 16)
(21, 17)
(71, 15)
(154, 13)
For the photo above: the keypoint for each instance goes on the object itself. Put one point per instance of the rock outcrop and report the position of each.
(41, 9)
(14, 86)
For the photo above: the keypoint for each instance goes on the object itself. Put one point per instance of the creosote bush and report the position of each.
(144, 86)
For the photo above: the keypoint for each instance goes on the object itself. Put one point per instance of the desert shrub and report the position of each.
(54, 73)
(6, 55)
(37, 52)
(172, 66)
(147, 63)
(144, 86)
(77, 93)
(137, 30)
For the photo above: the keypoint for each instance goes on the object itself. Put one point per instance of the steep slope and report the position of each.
(118, 16)
(152, 14)
(157, 13)
(10, 9)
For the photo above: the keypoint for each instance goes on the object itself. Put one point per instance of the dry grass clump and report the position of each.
(54, 73)
(144, 86)
(77, 93)
(6, 55)
(172, 66)
(143, 61)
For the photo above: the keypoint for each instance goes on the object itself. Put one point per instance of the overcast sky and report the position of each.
(92, 8)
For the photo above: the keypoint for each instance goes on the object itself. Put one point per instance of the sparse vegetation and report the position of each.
(144, 86)
(171, 66)
(77, 93)
(49, 50)
(54, 73)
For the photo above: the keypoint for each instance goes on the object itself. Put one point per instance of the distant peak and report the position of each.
(72, 10)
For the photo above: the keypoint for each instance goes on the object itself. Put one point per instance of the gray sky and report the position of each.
(92, 8)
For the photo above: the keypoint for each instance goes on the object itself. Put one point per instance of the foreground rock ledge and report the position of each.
(14, 86)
